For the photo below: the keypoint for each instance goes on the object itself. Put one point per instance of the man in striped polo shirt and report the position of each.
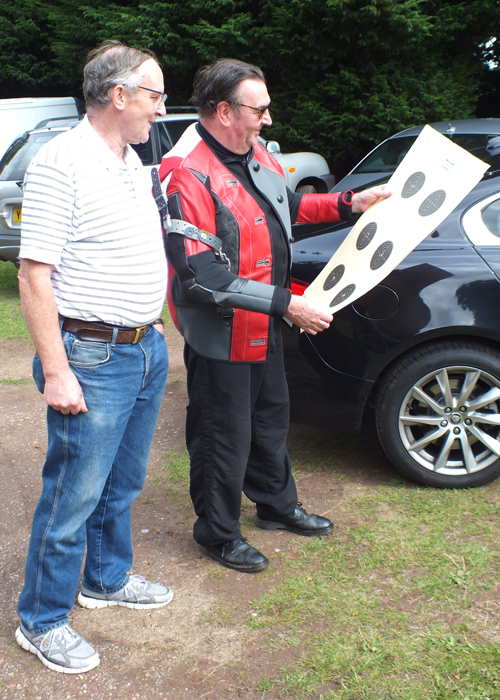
(92, 281)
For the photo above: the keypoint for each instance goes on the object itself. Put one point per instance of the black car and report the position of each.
(419, 354)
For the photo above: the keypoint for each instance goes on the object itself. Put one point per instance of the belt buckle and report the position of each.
(138, 334)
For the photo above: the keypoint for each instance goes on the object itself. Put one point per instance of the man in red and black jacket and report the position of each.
(229, 245)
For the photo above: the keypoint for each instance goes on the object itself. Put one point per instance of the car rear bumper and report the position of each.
(9, 253)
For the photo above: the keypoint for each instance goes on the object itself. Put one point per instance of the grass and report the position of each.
(16, 380)
(403, 605)
(174, 471)
(12, 324)
(173, 477)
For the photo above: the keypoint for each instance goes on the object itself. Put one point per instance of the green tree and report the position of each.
(25, 48)
(343, 74)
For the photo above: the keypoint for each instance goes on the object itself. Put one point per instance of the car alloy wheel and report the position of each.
(438, 414)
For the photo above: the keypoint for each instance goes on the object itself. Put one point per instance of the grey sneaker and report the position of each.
(137, 593)
(62, 649)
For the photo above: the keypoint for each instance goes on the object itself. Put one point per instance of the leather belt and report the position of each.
(84, 330)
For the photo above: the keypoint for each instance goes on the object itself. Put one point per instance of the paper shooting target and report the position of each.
(430, 181)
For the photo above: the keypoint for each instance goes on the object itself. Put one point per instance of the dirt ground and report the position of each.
(193, 648)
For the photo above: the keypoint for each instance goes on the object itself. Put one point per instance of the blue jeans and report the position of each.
(95, 468)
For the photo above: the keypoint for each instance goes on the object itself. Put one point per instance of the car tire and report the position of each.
(432, 419)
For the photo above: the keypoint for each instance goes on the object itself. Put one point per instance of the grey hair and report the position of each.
(112, 63)
(219, 82)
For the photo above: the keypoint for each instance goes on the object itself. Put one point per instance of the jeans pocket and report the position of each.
(85, 353)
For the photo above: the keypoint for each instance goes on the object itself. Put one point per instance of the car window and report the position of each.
(17, 158)
(491, 217)
(387, 157)
(166, 142)
(483, 146)
(144, 151)
(171, 131)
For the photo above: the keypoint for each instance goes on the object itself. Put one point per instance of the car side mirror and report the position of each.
(273, 147)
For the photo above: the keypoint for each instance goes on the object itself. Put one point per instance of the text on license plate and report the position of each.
(16, 218)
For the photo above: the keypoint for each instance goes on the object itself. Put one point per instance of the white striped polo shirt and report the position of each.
(94, 218)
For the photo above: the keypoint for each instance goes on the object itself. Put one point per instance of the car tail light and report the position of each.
(298, 287)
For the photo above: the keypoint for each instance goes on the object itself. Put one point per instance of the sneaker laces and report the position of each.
(62, 638)
(135, 587)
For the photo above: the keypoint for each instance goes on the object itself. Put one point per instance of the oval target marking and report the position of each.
(343, 295)
(432, 203)
(381, 255)
(334, 277)
(413, 185)
(366, 235)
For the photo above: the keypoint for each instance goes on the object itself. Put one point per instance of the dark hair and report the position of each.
(112, 63)
(219, 81)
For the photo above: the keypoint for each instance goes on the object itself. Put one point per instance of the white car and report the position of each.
(304, 172)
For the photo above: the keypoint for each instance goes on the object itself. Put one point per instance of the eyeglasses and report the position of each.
(163, 95)
(259, 111)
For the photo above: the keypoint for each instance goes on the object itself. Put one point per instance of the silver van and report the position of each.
(12, 169)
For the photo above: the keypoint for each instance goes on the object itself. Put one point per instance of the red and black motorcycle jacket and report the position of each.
(224, 299)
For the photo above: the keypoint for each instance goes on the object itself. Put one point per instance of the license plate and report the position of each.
(16, 218)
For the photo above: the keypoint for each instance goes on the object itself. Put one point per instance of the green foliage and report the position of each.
(343, 74)
(25, 53)
(11, 320)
